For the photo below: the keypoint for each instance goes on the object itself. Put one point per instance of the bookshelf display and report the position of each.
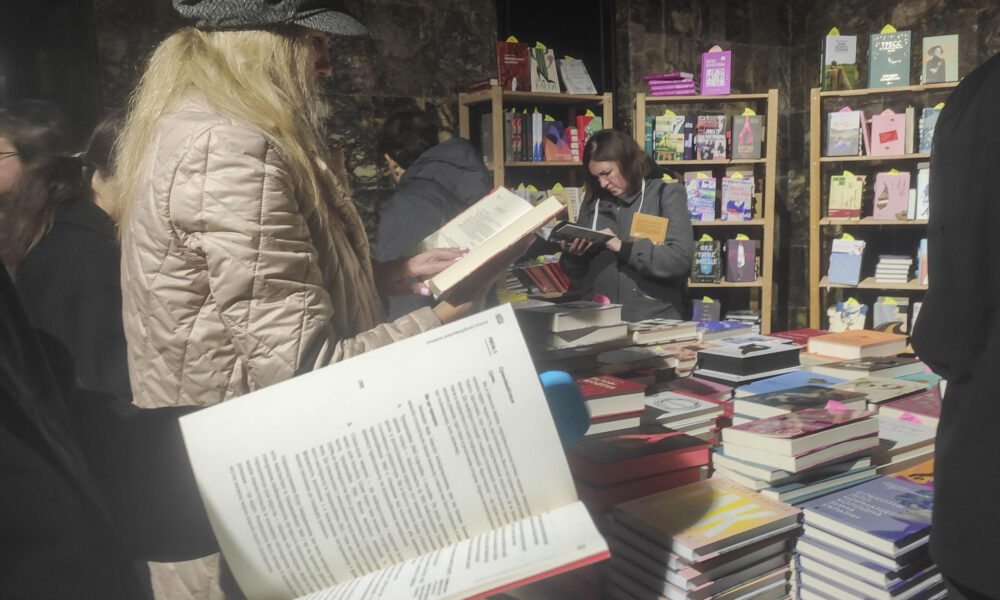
(496, 99)
(760, 227)
(881, 236)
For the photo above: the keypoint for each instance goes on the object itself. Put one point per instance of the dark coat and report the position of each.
(88, 483)
(648, 280)
(443, 181)
(958, 331)
(70, 286)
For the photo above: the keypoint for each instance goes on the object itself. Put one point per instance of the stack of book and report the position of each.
(871, 366)
(893, 268)
(747, 317)
(857, 343)
(787, 381)
(902, 444)
(714, 329)
(643, 364)
(662, 331)
(571, 324)
(710, 539)
(869, 541)
(879, 390)
(923, 408)
(702, 387)
(671, 83)
(686, 354)
(680, 411)
(800, 455)
(739, 363)
(772, 404)
(542, 275)
(618, 466)
(607, 396)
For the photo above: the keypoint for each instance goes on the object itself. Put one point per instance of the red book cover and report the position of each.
(923, 408)
(609, 458)
(602, 386)
(513, 66)
(800, 336)
(560, 279)
(803, 422)
(538, 278)
(602, 498)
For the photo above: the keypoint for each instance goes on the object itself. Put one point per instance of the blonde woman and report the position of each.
(244, 261)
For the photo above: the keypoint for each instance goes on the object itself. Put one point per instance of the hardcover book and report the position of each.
(843, 133)
(840, 58)
(880, 389)
(710, 137)
(857, 344)
(892, 192)
(741, 260)
(845, 262)
(887, 515)
(716, 72)
(923, 408)
(700, 197)
(662, 331)
(668, 407)
(845, 196)
(668, 137)
(822, 456)
(889, 60)
(772, 404)
(872, 366)
(607, 395)
(737, 198)
(543, 70)
(555, 144)
(800, 336)
(567, 316)
(584, 336)
(784, 382)
(939, 59)
(705, 518)
(749, 358)
(575, 78)
(610, 458)
(513, 65)
(707, 262)
(747, 131)
(888, 134)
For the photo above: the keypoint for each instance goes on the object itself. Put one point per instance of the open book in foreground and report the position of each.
(493, 224)
(427, 469)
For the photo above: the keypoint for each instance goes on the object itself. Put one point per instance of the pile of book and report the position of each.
(618, 466)
(662, 331)
(893, 268)
(689, 413)
(541, 275)
(741, 359)
(869, 541)
(710, 539)
(799, 455)
(671, 83)
(571, 324)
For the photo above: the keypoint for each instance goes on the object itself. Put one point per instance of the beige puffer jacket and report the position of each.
(228, 284)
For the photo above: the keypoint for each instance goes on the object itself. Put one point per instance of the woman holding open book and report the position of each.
(645, 265)
(244, 260)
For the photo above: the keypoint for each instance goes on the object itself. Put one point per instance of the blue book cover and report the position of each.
(929, 379)
(714, 326)
(886, 512)
(928, 119)
(787, 382)
(845, 261)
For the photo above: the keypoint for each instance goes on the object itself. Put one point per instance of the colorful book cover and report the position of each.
(920, 474)
(737, 198)
(797, 399)
(840, 58)
(891, 314)
(917, 408)
(881, 389)
(707, 264)
(888, 134)
(940, 59)
(928, 379)
(846, 316)
(843, 133)
(800, 336)
(896, 511)
(788, 381)
(555, 145)
(649, 128)
(513, 66)
(845, 261)
(922, 273)
(699, 519)
(710, 137)
(708, 315)
(889, 59)
(741, 260)
(892, 191)
(928, 121)
(747, 131)
(668, 76)
(716, 72)
(602, 386)
(668, 137)
(700, 197)
(543, 70)
(873, 366)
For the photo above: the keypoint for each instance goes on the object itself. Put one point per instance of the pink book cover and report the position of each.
(888, 134)
(679, 85)
(892, 195)
(803, 422)
(667, 76)
(923, 404)
(716, 72)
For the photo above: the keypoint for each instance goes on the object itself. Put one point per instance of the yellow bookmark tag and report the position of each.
(848, 174)
(548, 118)
(703, 176)
(557, 186)
(888, 29)
(893, 172)
(748, 112)
(889, 300)
(669, 113)
(847, 236)
(512, 39)
(589, 113)
(834, 31)
(742, 236)
(667, 178)
(568, 57)
(736, 175)
(520, 186)
(532, 188)
(535, 111)
(648, 227)
(939, 105)
(540, 46)
(706, 299)
(706, 238)
(851, 301)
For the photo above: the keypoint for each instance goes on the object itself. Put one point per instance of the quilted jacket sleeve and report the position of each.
(232, 202)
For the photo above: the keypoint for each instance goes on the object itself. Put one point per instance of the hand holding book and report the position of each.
(406, 275)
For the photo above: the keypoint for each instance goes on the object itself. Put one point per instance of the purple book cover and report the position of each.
(741, 260)
(667, 76)
(925, 403)
(716, 72)
(803, 422)
(892, 509)
(672, 85)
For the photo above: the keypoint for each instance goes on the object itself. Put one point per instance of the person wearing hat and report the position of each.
(934, 67)
(244, 260)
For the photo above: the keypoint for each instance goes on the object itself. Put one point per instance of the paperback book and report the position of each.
(772, 404)
(746, 132)
(513, 65)
(939, 59)
(843, 133)
(872, 366)
(845, 196)
(878, 390)
(857, 344)
(892, 192)
(889, 59)
(785, 382)
(741, 260)
(840, 68)
(845, 262)
(802, 431)
(611, 458)
(716, 71)
(737, 198)
(700, 197)
(707, 262)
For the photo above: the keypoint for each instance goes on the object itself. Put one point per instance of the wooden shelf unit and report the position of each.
(762, 290)
(821, 103)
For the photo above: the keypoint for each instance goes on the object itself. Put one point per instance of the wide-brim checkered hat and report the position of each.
(327, 16)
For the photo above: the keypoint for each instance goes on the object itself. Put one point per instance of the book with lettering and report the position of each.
(710, 137)
(716, 72)
(779, 402)
(880, 389)
(920, 474)
(923, 408)
(888, 134)
(513, 65)
(700, 197)
(872, 366)
(887, 515)
(928, 121)
(900, 435)
(574, 75)
(840, 63)
(845, 196)
(488, 228)
(746, 133)
(787, 381)
(889, 59)
(845, 262)
(737, 198)
(843, 133)
(607, 395)
(802, 430)
(857, 344)
(543, 70)
(892, 192)
(633, 453)
(261, 486)
(939, 59)
(668, 137)
(741, 260)
(667, 408)
(706, 518)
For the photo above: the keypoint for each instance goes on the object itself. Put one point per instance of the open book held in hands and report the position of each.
(487, 228)
(566, 231)
(387, 476)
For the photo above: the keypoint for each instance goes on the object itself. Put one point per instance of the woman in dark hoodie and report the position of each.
(435, 182)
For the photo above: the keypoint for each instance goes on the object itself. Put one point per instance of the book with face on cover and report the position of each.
(878, 390)
(939, 59)
(801, 431)
(287, 444)
(770, 404)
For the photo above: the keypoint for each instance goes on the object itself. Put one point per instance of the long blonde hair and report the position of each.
(259, 77)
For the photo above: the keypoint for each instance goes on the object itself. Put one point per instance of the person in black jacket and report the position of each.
(88, 483)
(958, 334)
(435, 182)
(647, 277)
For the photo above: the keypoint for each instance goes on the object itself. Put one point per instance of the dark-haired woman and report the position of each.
(648, 277)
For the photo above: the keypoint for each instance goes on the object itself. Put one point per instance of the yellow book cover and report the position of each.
(921, 473)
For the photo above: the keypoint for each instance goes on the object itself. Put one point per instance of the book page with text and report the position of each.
(493, 212)
(379, 459)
